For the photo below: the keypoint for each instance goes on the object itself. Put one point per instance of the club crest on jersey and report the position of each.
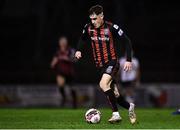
(106, 31)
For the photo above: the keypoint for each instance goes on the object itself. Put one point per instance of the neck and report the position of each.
(101, 23)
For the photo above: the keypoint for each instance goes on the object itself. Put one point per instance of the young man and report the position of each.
(62, 64)
(129, 80)
(101, 34)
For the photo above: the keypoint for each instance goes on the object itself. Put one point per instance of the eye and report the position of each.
(93, 18)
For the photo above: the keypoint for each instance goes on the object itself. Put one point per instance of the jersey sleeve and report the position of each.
(117, 30)
(119, 34)
(83, 38)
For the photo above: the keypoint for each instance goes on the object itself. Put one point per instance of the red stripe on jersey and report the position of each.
(97, 48)
(112, 49)
(94, 54)
(105, 54)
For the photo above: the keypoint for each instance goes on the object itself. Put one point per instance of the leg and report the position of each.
(120, 99)
(74, 98)
(61, 82)
(115, 89)
(105, 86)
(69, 81)
(129, 92)
(122, 102)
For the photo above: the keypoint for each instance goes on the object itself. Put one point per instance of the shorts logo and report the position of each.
(109, 69)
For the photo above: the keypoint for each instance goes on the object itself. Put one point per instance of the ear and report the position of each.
(102, 16)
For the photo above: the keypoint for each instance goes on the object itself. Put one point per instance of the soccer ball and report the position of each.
(93, 116)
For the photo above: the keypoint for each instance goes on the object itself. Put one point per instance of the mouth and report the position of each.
(95, 25)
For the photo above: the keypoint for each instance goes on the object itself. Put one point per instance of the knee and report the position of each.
(103, 85)
(60, 81)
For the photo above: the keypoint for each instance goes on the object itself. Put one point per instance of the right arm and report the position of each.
(54, 61)
(81, 43)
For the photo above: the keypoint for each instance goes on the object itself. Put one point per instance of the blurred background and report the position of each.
(29, 33)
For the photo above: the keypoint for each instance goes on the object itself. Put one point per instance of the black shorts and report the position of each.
(110, 68)
(69, 77)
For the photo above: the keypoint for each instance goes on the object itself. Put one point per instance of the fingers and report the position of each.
(78, 55)
(127, 67)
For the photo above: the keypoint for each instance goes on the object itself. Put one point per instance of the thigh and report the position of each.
(106, 78)
(105, 82)
(60, 80)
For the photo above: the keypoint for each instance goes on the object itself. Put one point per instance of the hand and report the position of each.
(127, 66)
(78, 54)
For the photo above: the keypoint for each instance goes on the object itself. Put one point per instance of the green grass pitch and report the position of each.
(71, 119)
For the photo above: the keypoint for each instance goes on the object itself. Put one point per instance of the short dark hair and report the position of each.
(97, 9)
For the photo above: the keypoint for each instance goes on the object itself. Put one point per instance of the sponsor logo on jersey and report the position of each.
(100, 38)
(91, 30)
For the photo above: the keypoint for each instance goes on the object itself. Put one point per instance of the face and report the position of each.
(97, 20)
(63, 43)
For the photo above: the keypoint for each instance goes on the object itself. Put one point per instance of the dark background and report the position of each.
(29, 30)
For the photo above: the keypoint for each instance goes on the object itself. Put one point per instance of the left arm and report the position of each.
(128, 47)
(54, 62)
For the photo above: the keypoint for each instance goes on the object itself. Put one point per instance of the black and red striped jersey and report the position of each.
(102, 42)
(65, 61)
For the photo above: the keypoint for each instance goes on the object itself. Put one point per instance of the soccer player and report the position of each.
(101, 36)
(131, 79)
(62, 64)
